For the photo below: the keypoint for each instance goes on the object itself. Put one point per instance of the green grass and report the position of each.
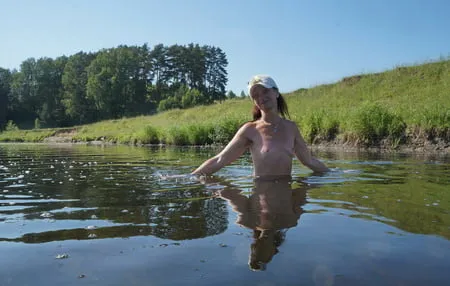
(26, 135)
(395, 105)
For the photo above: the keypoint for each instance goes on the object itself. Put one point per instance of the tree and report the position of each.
(159, 72)
(193, 97)
(49, 91)
(231, 94)
(117, 82)
(216, 74)
(112, 83)
(243, 95)
(79, 108)
(24, 102)
(5, 82)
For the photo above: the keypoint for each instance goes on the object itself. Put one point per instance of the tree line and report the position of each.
(111, 83)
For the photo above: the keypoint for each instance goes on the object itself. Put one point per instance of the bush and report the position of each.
(436, 122)
(199, 134)
(372, 122)
(11, 126)
(319, 125)
(177, 136)
(37, 123)
(224, 131)
(149, 135)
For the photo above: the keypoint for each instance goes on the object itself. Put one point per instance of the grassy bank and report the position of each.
(397, 106)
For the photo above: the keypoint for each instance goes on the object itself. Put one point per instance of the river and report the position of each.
(124, 215)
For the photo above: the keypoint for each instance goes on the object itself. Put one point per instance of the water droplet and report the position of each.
(62, 256)
(46, 215)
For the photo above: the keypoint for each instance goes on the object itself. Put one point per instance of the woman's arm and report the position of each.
(304, 155)
(235, 148)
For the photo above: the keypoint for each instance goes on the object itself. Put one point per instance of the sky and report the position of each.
(300, 43)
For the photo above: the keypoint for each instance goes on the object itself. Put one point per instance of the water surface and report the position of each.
(92, 215)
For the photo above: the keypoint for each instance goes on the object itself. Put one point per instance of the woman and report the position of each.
(271, 138)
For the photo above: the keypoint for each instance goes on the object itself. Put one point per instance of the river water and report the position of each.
(121, 215)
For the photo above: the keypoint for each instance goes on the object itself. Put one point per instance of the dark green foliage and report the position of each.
(37, 123)
(231, 94)
(5, 82)
(117, 82)
(436, 122)
(79, 108)
(224, 132)
(177, 136)
(200, 134)
(372, 122)
(151, 135)
(112, 83)
(319, 126)
(11, 126)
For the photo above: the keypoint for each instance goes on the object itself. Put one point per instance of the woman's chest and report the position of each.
(273, 143)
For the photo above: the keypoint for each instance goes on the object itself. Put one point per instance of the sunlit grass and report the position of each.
(413, 101)
(26, 135)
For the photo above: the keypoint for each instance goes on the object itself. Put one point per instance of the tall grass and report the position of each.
(363, 108)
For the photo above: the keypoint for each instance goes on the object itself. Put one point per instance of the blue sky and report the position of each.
(300, 43)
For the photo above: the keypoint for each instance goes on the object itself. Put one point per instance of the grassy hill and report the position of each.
(400, 106)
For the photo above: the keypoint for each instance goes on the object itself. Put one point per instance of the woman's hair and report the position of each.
(282, 108)
(264, 248)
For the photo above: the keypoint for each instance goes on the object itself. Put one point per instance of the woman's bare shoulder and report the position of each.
(248, 125)
(246, 129)
(290, 123)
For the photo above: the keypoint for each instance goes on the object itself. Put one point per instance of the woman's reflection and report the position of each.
(273, 207)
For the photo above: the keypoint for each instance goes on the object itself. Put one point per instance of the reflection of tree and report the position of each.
(111, 184)
(117, 185)
(273, 207)
(190, 220)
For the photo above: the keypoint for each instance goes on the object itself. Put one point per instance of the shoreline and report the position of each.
(420, 146)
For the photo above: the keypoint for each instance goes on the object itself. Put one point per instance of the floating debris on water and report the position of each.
(62, 256)
(46, 215)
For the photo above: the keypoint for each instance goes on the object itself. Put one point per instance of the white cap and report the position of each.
(263, 80)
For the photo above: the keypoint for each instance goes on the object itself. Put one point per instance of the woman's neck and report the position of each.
(270, 117)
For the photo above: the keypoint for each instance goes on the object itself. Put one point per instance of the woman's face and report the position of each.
(264, 98)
